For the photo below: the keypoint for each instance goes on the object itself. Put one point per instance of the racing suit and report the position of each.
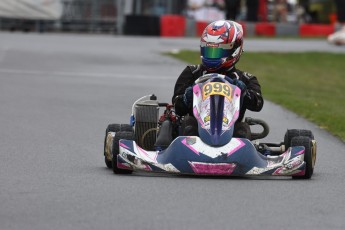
(252, 99)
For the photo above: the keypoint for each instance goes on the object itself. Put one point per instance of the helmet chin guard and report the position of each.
(212, 64)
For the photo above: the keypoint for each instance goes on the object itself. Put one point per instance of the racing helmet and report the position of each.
(221, 45)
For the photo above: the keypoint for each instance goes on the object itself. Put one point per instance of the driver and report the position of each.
(221, 48)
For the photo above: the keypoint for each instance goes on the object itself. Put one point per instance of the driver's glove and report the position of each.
(240, 84)
(188, 97)
(236, 82)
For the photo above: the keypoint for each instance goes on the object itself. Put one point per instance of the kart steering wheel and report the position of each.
(208, 76)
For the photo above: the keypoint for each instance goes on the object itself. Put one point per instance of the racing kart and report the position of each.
(154, 143)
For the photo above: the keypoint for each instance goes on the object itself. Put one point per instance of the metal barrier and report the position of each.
(95, 16)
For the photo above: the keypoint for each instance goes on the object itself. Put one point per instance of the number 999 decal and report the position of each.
(216, 88)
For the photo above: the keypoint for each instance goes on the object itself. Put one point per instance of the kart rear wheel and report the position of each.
(119, 127)
(108, 140)
(115, 150)
(309, 155)
(291, 133)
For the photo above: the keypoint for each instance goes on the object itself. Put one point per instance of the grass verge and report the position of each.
(310, 84)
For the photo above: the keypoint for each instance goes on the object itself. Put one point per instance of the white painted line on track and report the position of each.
(3, 52)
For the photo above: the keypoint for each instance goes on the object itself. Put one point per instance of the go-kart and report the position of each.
(154, 143)
(337, 38)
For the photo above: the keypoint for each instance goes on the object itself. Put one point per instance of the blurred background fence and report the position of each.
(76, 16)
(89, 16)
(96, 16)
(145, 16)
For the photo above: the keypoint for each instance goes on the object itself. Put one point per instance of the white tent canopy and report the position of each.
(31, 9)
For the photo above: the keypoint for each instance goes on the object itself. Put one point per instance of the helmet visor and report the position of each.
(214, 52)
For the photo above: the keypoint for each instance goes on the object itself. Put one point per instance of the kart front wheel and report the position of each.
(116, 150)
(309, 155)
(109, 135)
(291, 133)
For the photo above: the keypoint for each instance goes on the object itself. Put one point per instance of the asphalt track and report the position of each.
(57, 95)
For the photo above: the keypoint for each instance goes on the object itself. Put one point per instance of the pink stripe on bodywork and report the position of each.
(197, 116)
(237, 148)
(300, 152)
(213, 169)
(148, 168)
(184, 141)
(277, 171)
(123, 165)
(234, 119)
(237, 92)
(196, 90)
(153, 158)
(123, 145)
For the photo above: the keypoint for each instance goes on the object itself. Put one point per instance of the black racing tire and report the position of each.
(118, 127)
(114, 128)
(308, 155)
(108, 163)
(291, 133)
(115, 150)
